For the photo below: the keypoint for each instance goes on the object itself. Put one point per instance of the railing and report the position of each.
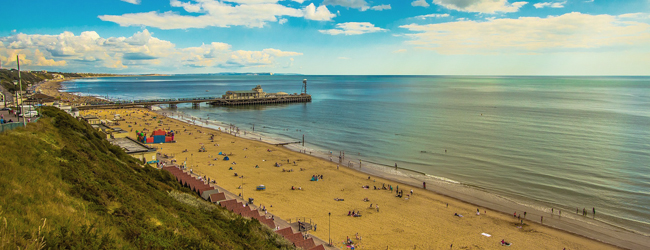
(13, 125)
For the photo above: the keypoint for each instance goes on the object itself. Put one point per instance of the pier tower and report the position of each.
(304, 87)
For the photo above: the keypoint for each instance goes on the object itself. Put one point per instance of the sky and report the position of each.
(329, 37)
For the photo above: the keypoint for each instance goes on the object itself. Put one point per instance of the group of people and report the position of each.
(354, 214)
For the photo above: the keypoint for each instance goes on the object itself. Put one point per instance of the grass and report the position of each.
(63, 186)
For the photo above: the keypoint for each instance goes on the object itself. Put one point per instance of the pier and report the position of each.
(256, 96)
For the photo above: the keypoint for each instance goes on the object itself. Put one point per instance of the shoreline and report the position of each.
(443, 189)
(575, 225)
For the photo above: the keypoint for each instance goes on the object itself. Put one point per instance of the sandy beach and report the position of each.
(424, 220)
(52, 88)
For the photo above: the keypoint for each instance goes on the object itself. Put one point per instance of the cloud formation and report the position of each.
(362, 5)
(132, 1)
(549, 4)
(481, 6)
(67, 51)
(319, 14)
(420, 3)
(352, 28)
(354, 4)
(569, 32)
(381, 7)
(432, 15)
(207, 13)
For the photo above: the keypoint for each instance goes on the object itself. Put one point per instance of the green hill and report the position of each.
(62, 186)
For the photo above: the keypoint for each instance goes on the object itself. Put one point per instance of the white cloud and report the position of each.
(549, 4)
(399, 51)
(352, 28)
(420, 3)
(283, 20)
(249, 13)
(142, 50)
(637, 15)
(481, 6)
(381, 7)
(319, 14)
(571, 31)
(131, 1)
(299, 1)
(432, 15)
(355, 4)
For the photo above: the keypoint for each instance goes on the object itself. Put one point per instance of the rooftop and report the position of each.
(101, 126)
(119, 130)
(243, 91)
(90, 117)
(131, 146)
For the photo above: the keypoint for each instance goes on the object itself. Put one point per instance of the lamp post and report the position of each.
(20, 82)
(330, 228)
(242, 188)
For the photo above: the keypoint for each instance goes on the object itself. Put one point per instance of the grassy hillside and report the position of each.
(64, 187)
(28, 78)
(8, 76)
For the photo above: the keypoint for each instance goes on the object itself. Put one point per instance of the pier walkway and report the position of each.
(214, 101)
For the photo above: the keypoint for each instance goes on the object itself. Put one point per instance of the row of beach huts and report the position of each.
(213, 195)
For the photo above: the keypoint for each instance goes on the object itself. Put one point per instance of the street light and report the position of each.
(20, 82)
(330, 228)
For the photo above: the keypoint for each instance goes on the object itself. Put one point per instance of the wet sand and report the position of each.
(424, 221)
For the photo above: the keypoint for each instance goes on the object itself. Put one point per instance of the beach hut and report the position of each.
(226, 158)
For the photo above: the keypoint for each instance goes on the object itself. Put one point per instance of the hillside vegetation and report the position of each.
(7, 77)
(62, 186)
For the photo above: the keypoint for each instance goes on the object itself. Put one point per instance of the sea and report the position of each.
(560, 142)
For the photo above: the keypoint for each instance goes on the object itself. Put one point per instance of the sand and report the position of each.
(424, 221)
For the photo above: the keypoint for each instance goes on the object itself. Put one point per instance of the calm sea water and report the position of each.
(563, 142)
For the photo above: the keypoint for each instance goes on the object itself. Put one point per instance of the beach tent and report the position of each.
(314, 178)
(226, 158)
(261, 187)
(220, 153)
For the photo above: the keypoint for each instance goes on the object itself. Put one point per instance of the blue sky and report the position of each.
(407, 37)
